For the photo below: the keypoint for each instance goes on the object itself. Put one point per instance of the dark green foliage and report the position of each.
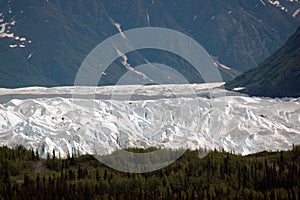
(219, 175)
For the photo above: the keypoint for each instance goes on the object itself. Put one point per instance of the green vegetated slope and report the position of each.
(219, 175)
(277, 76)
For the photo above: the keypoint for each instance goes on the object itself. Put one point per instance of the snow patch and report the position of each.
(217, 63)
(4, 35)
(148, 18)
(278, 5)
(238, 88)
(29, 56)
(13, 45)
(296, 12)
(118, 26)
(128, 66)
(262, 2)
(2, 30)
(5, 31)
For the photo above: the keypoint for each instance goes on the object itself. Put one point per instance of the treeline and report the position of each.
(219, 175)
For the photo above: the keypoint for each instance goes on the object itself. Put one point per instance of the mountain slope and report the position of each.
(277, 76)
(44, 42)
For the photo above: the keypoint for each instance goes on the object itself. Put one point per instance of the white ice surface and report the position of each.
(240, 123)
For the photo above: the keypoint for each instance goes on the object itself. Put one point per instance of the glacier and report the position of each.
(167, 116)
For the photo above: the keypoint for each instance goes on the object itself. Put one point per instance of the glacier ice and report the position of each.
(233, 122)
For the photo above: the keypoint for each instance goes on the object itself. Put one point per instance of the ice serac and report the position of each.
(233, 122)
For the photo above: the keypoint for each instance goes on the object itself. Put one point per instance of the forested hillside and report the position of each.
(277, 76)
(219, 175)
